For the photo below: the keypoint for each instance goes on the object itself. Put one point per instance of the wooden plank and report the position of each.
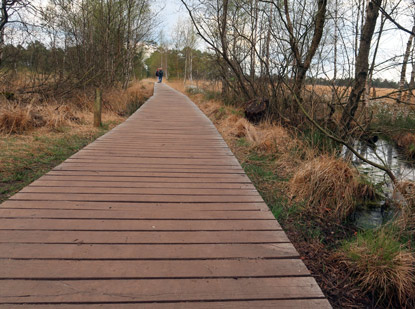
(128, 237)
(81, 269)
(166, 185)
(76, 251)
(177, 179)
(141, 191)
(63, 291)
(223, 162)
(234, 176)
(138, 225)
(129, 168)
(280, 304)
(136, 198)
(135, 214)
(155, 207)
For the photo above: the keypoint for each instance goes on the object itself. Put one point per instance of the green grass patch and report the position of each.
(242, 142)
(373, 242)
(24, 162)
(385, 119)
(317, 140)
(211, 95)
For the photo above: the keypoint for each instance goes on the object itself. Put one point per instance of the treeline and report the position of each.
(347, 82)
(89, 42)
(174, 64)
(56, 63)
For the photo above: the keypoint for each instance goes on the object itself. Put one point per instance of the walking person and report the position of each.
(160, 74)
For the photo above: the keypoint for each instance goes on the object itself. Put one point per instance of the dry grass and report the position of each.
(125, 102)
(382, 266)
(328, 185)
(406, 141)
(14, 119)
(25, 114)
(405, 190)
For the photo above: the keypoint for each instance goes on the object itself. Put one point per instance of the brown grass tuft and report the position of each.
(17, 119)
(406, 141)
(405, 190)
(273, 138)
(14, 119)
(328, 185)
(381, 266)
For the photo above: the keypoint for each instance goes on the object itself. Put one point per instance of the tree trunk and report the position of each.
(372, 66)
(185, 66)
(1, 46)
(302, 66)
(405, 64)
(362, 65)
(190, 65)
(412, 81)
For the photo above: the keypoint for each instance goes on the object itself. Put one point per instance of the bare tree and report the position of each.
(10, 13)
(406, 55)
(362, 65)
(303, 61)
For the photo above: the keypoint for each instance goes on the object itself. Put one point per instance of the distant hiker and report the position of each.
(160, 74)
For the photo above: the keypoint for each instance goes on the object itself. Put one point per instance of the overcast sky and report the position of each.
(170, 12)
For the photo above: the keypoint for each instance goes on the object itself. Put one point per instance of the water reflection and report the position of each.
(385, 153)
(372, 218)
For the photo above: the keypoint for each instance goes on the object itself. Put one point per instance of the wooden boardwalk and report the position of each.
(157, 213)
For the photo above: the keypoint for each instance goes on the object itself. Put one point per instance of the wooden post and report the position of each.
(98, 108)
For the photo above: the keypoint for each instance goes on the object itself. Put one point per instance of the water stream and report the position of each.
(382, 152)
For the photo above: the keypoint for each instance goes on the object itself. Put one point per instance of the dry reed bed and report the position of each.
(22, 115)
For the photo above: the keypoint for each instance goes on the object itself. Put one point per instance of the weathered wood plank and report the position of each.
(135, 214)
(280, 304)
(138, 225)
(128, 237)
(154, 251)
(81, 269)
(63, 291)
(141, 191)
(155, 207)
(137, 198)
